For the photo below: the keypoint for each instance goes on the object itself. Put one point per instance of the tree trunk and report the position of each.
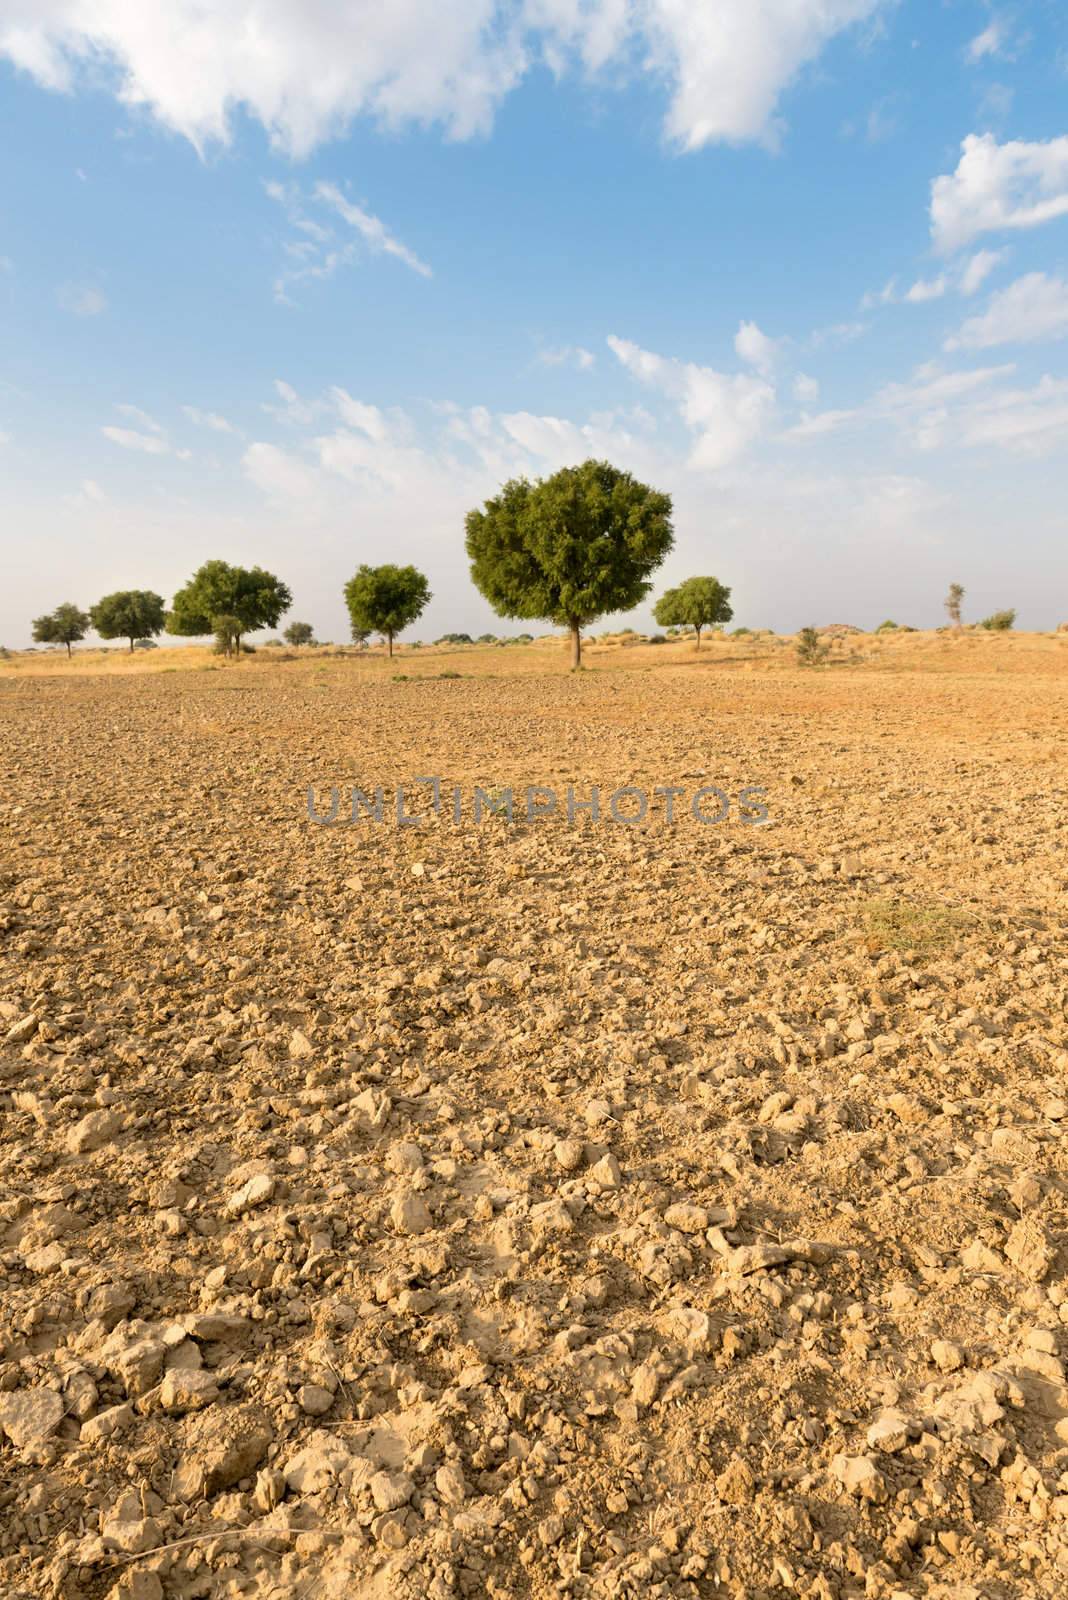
(576, 646)
(131, 644)
(389, 642)
(698, 633)
(67, 643)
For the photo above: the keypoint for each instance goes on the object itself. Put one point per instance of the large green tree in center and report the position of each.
(246, 597)
(569, 548)
(385, 600)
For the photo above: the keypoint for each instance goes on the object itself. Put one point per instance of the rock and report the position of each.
(691, 1328)
(132, 1537)
(1029, 1250)
(409, 1214)
(29, 1417)
(404, 1157)
(314, 1400)
(687, 1218)
(300, 1046)
(256, 1192)
(736, 1484)
(947, 1357)
(569, 1154)
(890, 1432)
(95, 1129)
(979, 1257)
(106, 1424)
(187, 1389)
(318, 1465)
(389, 1490)
(860, 1476)
(137, 1583)
(223, 1445)
(451, 1484)
(606, 1172)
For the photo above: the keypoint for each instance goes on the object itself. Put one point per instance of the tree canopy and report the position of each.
(65, 625)
(246, 595)
(569, 548)
(696, 603)
(385, 600)
(128, 614)
(299, 633)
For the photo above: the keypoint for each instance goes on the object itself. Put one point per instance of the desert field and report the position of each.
(548, 1207)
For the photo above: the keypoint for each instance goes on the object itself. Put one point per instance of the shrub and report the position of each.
(811, 650)
(999, 621)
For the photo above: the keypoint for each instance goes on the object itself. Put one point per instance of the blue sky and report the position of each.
(300, 282)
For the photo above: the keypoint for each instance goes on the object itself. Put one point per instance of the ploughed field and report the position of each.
(536, 1208)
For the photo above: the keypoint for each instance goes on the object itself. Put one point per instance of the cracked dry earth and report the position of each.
(534, 1210)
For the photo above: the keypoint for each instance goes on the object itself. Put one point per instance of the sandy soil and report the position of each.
(536, 1209)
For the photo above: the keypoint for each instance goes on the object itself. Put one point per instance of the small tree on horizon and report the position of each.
(569, 548)
(218, 592)
(696, 603)
(128, 614)
(385, 600)
(67, 624)
(299, 633)
(812, 651)
(953, 602)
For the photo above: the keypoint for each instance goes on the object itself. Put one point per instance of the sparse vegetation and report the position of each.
(299, 633)
(812, 651)
(999, 622)
(696, 603)
(134, 614)
(903, 925)
(386, 600)
(953, 602)
(67, 624)
(569, 548)
(228, 602)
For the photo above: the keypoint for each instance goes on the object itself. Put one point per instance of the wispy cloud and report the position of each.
(317, 251)
(568, 355)
(208, 419)
(81, 300)
(149, 438)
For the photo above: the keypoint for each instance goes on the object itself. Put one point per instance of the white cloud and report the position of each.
(978, 269)
(568, 355)
(997, 187)
(1027, 421)
(279, 472)
(806, 389)
(927, 289)
(81, 300)
(149, 437)
(150, 443)
(756, 349)
(316, 252)
(727, 412)
(812, 425)
(988, 43)
(306, 68)
(886, 296)
(372, 231)
(1034, 307)
(208, 419)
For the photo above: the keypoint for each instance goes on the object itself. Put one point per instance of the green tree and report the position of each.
(953, 603)
(128, 614)
(246, 595)
(811, 649)
(385, 600)
(999, 622)
(570, 548)
(227, 632)
(697, 603)
(299, 633)
(65, 625)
